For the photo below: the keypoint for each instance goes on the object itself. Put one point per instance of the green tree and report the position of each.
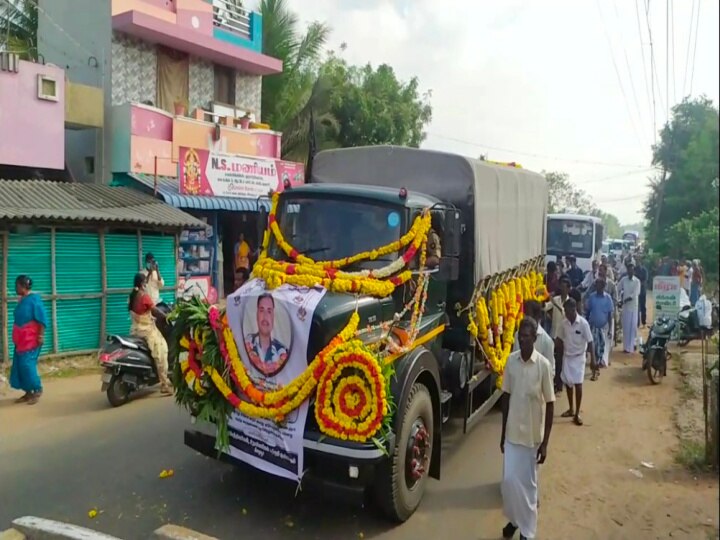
(697, 237)
(373, 107)
(289, 97)
(18, 27)
(688, 153)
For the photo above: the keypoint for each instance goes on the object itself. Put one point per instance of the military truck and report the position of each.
(493, 220)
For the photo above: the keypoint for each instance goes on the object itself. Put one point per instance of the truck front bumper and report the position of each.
(343, 470)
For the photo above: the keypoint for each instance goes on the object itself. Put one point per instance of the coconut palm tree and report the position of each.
(18, 27)
(289, 97)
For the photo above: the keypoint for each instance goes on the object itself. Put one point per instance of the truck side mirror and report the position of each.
(450, 243)
(262, 223)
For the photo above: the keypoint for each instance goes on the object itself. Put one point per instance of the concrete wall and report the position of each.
(31, 129)
(76, 36)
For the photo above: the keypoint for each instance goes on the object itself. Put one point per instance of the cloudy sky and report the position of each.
(554, 85)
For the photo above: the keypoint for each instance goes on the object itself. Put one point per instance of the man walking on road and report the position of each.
(527, 394)
(573, 272)
(611, 289)
(600, 310)
(629, 294)
(642, 274)
(576, 340)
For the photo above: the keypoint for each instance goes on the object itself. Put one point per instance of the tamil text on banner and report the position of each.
(202, 172)
(271, 330)
(666, 295)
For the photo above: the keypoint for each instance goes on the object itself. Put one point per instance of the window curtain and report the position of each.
(173, 76)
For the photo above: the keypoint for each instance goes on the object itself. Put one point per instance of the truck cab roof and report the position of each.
(381, 194)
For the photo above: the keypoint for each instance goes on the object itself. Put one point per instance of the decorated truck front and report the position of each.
(378, 310)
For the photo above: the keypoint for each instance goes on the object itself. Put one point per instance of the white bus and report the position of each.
(573, 234)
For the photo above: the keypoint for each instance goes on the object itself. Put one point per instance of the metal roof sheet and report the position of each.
(168, 191)
(23, 200)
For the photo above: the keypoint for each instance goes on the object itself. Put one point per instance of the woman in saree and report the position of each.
(143, 313)
(28, 335)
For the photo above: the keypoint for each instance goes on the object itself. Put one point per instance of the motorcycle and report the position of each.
(654, 352)
(128, 363)
(690, 327)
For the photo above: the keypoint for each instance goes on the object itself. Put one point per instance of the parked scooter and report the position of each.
(690, 326)
(654, 352)
(128, 363)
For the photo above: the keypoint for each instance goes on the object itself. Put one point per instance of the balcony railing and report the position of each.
(228, 14)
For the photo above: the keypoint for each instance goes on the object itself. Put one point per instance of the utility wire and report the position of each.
(617, 73)
(689, 47)
(697, 27)
(651, 102)
(530, 154)
(672, 48)
(667, 57)
(614, 176)
(653, 65)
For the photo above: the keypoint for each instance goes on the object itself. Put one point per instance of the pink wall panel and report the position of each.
(142, 156)
(151, 122)
(198, 21)
(268, 144)
(32, 130)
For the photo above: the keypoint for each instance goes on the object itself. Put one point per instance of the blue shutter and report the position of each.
(29, 254)
(121, 253)
(78, 270)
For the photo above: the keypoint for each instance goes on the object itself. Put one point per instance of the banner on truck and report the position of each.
(202, 172)
(271, 330)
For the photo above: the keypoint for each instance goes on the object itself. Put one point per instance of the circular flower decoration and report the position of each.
(351, 399)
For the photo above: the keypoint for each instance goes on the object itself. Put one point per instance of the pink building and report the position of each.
(32, 114)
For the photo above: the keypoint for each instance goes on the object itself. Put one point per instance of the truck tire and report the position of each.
(401, 479)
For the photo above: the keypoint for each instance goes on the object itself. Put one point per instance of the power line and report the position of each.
(617, 73)
(689, 46)
(697, 27)
(622, 199)
(672, 48)
(530, 154)
(614, 176)
(667, 57)
(651, 103)
(653, 66)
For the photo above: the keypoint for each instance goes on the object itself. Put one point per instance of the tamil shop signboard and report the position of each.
(202, 172)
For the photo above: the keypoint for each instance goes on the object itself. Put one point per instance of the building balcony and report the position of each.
(147, 140)
(83, 106)
(216, 30)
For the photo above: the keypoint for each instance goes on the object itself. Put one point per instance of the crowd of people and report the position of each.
(580, 319)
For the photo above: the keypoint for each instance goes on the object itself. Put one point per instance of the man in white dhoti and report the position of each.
(576, 340)
(527, 395)
(629, 295)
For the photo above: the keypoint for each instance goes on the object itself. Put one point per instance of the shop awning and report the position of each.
(167, 190)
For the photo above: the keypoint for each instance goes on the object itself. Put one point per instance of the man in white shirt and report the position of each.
(544, 344)
(576, 340)
(629, 295)
(155, 281)
(527, 397)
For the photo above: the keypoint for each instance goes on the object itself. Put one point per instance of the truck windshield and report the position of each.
(570, 237)
(330, 229)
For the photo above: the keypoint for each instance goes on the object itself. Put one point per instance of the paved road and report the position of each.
(72, 452)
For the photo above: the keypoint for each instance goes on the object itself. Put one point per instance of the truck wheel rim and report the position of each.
(417, 456)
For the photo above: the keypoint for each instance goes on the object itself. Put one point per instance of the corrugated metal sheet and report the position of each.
(118, 316)
(29, 254)
(121, 252)
(77, 263)
(169, 192)
(78, 324)
(22, 200)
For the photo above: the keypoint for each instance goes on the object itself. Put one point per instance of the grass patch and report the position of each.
(691, 455)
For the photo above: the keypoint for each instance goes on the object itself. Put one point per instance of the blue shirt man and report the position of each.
(599, 310)
(575, 274)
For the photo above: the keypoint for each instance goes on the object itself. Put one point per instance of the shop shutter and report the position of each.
(121, 252)
(78, 272)
(163, 248)
(29, 254)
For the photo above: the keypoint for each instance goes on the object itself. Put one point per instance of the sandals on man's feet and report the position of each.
(577, 421)
(567, 414)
